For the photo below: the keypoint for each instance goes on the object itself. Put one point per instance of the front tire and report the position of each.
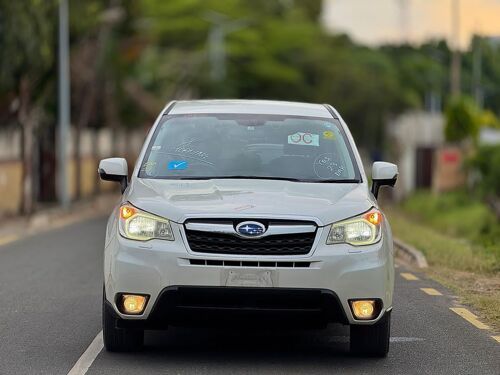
(118, 339)
(371, 340)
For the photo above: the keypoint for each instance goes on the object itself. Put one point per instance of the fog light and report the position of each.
(364, 309)
(133, 304)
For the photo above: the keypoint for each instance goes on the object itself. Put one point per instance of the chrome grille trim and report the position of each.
(219, 236)
(273, 229)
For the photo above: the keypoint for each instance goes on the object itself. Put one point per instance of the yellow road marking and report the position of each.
(470, 317)
(7, 239)
(496, 338)
(409, 276)
(431, 291)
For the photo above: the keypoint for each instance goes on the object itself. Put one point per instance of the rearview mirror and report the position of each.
(383, 174)
(114, 169)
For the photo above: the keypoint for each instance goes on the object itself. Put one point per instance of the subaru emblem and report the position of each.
(250, 229)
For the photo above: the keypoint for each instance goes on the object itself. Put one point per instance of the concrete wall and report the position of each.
(489, 136)
(10, 186)
(409, 132)
(11, 168)
(448, 173)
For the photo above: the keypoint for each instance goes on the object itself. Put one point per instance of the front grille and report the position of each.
(240, 307)
(223, 243)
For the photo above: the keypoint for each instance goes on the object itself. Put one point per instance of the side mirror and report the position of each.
(114, 169)
(383, 174)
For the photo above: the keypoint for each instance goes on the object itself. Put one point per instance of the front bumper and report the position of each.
(271, 307)
(165, 270)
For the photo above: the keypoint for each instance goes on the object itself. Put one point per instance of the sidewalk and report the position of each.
(12, 229)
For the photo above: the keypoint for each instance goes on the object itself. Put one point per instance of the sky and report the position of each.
(375, 22)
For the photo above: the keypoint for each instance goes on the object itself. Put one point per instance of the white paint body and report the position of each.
(114, 166)
(149, 267)
(384, 171)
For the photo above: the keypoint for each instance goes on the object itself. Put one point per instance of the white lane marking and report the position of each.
(406, 339)
(345, 339)
(85, 361)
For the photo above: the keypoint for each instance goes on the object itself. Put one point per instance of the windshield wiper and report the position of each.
(239, 177)
(340, 181)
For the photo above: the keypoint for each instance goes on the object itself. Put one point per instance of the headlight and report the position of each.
(142, 226)
(361, 230)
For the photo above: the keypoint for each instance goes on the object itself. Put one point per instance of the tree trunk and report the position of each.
(77, 159)
(111, 115)
(82, 123)
(26, 119)
(95, 158)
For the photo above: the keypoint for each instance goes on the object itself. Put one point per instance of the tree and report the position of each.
(462, 119)
(26, 69)
(280, 51)
(92, 25)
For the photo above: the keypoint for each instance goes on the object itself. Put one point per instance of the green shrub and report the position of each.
(458, 214)
(462, 119)
(441, 249)
(487, 163)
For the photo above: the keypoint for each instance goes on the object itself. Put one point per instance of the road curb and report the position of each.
(410, 254)
(95, 206)
(55, 217)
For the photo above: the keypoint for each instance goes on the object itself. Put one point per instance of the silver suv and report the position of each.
(238, 210)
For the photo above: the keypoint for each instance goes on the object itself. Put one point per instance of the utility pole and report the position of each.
(64, 106)
(456, 56)
(404, 20)
(477, 71)
(221, 26)
(217, 52)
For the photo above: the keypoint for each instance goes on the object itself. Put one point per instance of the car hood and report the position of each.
(323, 203)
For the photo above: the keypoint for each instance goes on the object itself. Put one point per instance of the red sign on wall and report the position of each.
(450, 156)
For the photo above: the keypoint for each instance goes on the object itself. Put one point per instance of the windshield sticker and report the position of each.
(328, 134)
(149, 167)
(177, 165)
(156, 148)
(187, 149)
(303, 139)
(325, 167)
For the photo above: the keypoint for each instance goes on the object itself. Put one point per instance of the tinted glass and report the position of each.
(268, 146)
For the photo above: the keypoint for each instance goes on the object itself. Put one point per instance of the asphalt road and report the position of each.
(50, 312)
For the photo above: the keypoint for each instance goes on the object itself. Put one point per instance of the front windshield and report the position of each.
(210, 146)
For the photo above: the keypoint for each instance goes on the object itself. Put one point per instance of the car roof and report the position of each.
(268, 107)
